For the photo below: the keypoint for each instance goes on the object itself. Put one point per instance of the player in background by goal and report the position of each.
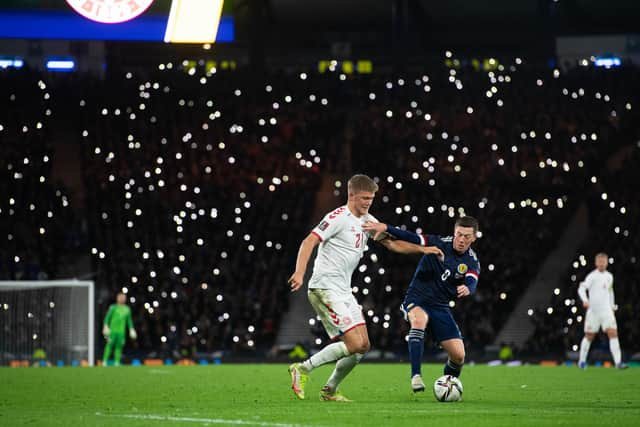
(596, 293)
(342, 243)
(115, 324)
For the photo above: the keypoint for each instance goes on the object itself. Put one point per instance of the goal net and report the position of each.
(46, 322)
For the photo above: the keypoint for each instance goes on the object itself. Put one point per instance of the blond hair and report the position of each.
(361, 183)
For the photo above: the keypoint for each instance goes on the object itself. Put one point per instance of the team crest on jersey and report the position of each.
(323, 225)
(462, 268)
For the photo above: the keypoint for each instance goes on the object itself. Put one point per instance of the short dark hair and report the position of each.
(467, 221)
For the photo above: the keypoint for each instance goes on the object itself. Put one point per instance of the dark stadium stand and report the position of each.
(39, 223)
(614, 230)
(198, 188)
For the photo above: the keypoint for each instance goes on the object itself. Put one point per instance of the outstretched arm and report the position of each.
(398, 233)
(402, 247)
(304, 253)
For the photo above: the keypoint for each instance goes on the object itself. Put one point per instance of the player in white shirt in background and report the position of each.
(342, 243)
(600, 305)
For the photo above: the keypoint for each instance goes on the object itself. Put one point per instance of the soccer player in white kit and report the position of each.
(342, 243)
(600, 305)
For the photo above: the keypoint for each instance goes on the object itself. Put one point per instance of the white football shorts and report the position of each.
(594, 320)
(338, 312)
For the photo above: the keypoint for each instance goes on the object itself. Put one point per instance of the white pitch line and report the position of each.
(201, 420)
(159, 371)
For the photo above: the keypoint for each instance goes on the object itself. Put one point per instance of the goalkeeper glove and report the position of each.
(106, 331)
(132, 334)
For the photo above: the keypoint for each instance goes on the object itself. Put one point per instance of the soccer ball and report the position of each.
(447, 388)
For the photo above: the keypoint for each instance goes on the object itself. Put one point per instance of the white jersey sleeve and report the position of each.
(330, 225)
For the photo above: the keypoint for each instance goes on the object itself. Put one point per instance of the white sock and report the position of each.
(614, 346)
(342, 369)
(584, 349)
(330, 353)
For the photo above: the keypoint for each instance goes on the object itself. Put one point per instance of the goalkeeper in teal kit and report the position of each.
(117, 320)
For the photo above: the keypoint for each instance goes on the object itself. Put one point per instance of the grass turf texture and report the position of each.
(260, 395)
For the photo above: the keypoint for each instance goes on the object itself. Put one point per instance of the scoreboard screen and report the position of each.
(172, 21)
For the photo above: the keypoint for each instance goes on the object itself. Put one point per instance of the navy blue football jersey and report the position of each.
(436, 280)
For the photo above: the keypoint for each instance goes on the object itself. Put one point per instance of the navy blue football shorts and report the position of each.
(441, 323)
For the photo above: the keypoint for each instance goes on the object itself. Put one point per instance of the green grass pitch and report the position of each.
(259, 395)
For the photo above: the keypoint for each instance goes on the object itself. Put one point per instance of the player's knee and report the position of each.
(359, 346)
(363, 346)
(612, 333)
(457, 356)
(419, 324)
(418, 320)
(459, 359)
(357, 343)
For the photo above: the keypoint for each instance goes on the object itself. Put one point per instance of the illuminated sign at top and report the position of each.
(110, 11)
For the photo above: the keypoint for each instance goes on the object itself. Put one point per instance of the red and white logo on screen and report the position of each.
(110, 11)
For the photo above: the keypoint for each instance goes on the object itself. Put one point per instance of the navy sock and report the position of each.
(452, 368)
(416, 348)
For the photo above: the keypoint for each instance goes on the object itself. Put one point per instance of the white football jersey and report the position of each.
(600, 288)
(343, 243)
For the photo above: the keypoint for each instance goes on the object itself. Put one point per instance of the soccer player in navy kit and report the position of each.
(438, 279)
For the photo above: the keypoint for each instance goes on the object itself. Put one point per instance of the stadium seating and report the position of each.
(198, 221)
(199, 186)
(38, 224)
(614, 230)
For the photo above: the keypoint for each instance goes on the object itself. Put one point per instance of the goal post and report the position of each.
(47, 321)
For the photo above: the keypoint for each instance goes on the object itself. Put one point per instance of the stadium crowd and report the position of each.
(199, 185)
(530, 163)
(37, 223)
(614, 228)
